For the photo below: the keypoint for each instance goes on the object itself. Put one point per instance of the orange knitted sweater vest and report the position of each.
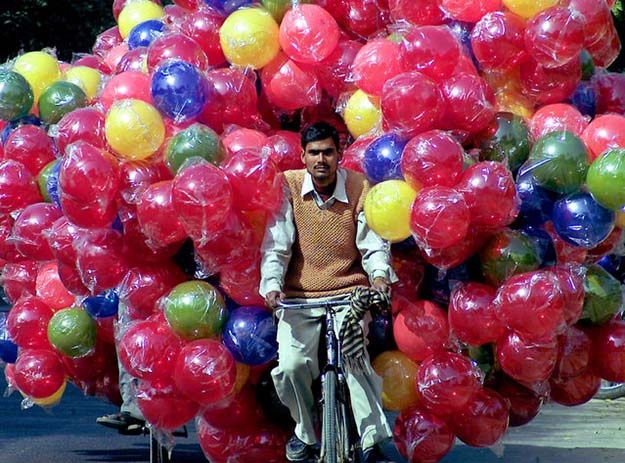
(325, 260)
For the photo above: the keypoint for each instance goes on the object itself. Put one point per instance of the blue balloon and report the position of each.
(226, 7)
(613, 264)
(52, 184)
(543, 243)
(382, 158)
(102, 305)
(144, 33)
(536, 201)
(438, 285)
(584, 98)
(8, 349)
(179, 90)
(250, 335)
(581, 221)
(15, 123)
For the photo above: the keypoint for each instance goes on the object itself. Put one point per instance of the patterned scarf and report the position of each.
(351, 334)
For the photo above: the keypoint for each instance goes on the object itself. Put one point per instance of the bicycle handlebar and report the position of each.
(312, 305)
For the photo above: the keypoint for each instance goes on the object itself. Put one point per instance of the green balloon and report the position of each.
(16, 96)
(195, 310)
(59, 99)
(602, 297)
(197, 140)
(605, 179)
(72, 332)
(510, 142)
(507, 253)
(558, 161)
(42, 179)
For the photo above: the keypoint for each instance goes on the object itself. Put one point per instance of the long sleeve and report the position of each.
(376, 254)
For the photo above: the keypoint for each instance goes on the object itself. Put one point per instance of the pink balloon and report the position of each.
(18, 187)
(454, 255)
(179, 46)
(524, 360)
(288, 86)
(157, 215)
(376, 62)
(308, 33)
(30, 229)
(422, 436)
(604, 132)
(133, 60)
(607, 48)
(8, 249)
(497, 40)
(432, 158)
(472, 316)
(470, 103)
(127, 84)
(483, 421)
(431, 50)
(411, 103)
(163, 406)
(469, 11)
(105, 41)
(418, 12)
(30, 145)
(557, 117)
(27, 322)
(354, 154)
(202, 25)
(86, 124)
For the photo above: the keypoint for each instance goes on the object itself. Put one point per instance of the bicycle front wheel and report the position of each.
(329, 435)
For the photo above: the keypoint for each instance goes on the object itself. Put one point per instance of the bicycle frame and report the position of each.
(338, 444)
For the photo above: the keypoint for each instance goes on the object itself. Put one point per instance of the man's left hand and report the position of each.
(381, 284)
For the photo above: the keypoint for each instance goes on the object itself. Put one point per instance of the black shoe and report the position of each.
(298, 451)
(382, 452)
(124, 422)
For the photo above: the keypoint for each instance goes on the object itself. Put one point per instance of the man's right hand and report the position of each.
(273, 298)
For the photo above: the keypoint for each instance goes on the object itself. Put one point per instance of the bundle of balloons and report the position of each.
(136, 182)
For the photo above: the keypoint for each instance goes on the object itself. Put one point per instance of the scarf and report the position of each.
(351, 334)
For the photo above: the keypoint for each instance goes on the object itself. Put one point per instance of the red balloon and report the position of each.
(524, 404)
(71, 278)
(573, 354)
(135, 176)
(410, 271)
(554, 36)
(61, 236)
(432, 158)
(446, 381)
(421, 436)
(571, 281)
(132, 60)
(595, 16)
(420, 328)
(452, 256)
(148, 350)
(576, 390)
(376, 62)
(497, 40)
(527, 361)
(604, 132)
(127, 84)
(490, 192)
(179, 46)
(469, 11)
(549, 85)
(163, 406)
(202, 25)
(364, 19)
(39, 373)
(8, 249)
(439, 217)
(50, 289)
(557, 117)
(334, 72)
(30, 229)
(531, 304)
(470, 103)
(288, 86)
(241, 139)
(105, 41)
(566, 253)
(100, 260)
(157, 215)
(86, 124)
(202, 197)
(18, 279)
(27, 322)
(606, 49)
(285, 149)
(92, 367)
(431, 50)
(18, 187)
(205, 371)
(472, 316)
(411, 103)
(243, 410)
(418, 12)
(608, 351)
(483, 421)
(30, 145)
(308, 33)
(241, 281)
(610, 92)
(94, 62)
(354, 154)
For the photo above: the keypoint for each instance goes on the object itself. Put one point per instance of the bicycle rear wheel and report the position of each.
(329, 435)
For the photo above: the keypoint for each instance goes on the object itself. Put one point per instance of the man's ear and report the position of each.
(302, 156)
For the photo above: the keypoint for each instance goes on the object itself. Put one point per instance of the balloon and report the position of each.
(142, 34)
(604, 132)
(134, 129)
(58, 99)
(610, 97)
(431, 50)
(439, 217)
(524, 404)
(334, 71)
(202, 25)
(364, 19)
(483, 421)
(163, 406)
(179, 89)
(226, 7)
(285, 150)
(387, 209)
(102, 305)
(39, 373)
(205, 371)
(557, 117)
(197, 140)
(250, 37)
(30, 145)
(39, 69)
(361, 113)
(250, 335)
(421, 436)
(48, 181)
(148, 349)
(536, 202)
(549, 85)
(580, 220)
(16, 95)
(50, 289)
(134, 13)
(584, 99)
(18, 187)
(375, 63)
(72, 332)
(30, 228)
(526, 9)
(18, 279)
(432, 158)
(558, 161)
(382, 160)
(470, 102)
(497, 40)
(489, 190)
(241, 280)
(417, 12)
(601, 293)
(574, 391)
(125, 85)
(472, 316)
(27, 322)
(195, 309)
(176, 45)
(524, 360)
(87, 78)
(241, 138)
(608, 355)
(157, 216)
(574, 348)
(411, 103)
(398, 373)
(469, 12)
(308, 33)
(243, 410)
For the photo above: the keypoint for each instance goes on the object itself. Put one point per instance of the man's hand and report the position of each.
(272, 298)
(380, 284)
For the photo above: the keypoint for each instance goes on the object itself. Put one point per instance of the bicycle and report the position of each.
(340, 442)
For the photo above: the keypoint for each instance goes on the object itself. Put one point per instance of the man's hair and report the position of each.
(320, 131)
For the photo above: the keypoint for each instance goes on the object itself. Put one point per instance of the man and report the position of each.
(318, 245)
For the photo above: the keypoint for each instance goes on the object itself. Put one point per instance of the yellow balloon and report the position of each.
(249, 37)
(88, 79)
(137, 12)
(50, 400)
(387, 209)
(620, 219)
(134, 129)
(362, 113)
(398, 373)
(39, 68)
(528, 8)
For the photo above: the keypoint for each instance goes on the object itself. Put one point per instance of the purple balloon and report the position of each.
(581, 221)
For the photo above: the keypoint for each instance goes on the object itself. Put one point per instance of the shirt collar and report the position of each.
(339, 189)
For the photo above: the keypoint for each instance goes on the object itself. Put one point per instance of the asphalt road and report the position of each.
(67, 433)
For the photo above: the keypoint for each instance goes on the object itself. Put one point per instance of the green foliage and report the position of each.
(618, 9)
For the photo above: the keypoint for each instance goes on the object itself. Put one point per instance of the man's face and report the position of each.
(321, 158)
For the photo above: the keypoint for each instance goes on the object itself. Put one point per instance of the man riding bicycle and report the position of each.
(318, 245)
